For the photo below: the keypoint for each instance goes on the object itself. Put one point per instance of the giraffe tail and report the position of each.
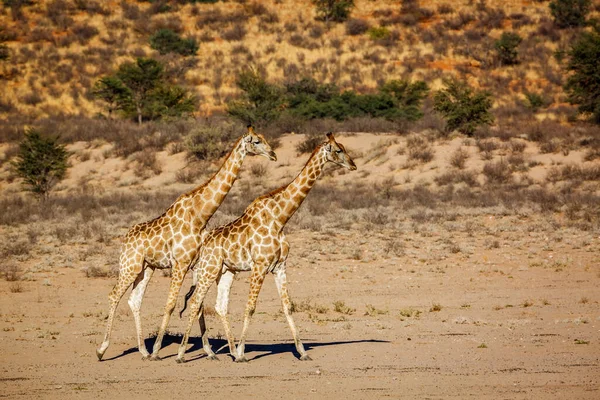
(187, 297)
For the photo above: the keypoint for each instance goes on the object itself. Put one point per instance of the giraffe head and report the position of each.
(336, 153)
(256, 144)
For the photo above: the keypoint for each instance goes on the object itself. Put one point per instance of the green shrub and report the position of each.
(506, 47)
(168, 102)
(583, 85)
(167, 41)
(378, 32)
(534, 101)
(396, 100)
(333, 10)
(463, 108)
(569, 13)
(41, 162)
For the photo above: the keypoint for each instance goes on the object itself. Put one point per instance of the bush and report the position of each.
(41, 162)
(506, 47)
(333, 10)
(379, 32)
(237, 32)
(534, 101)
(583, 86)
(211, 141)
(463, 108)
(4, 52)
(497, 172)
(569, 13)
(84, 32)
(167, 41)
(356, 26)
(396, 100)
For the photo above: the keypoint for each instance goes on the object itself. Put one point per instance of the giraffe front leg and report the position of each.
(223, 289)
(196, 303)
(124, 281)
(135, 303)
(281, 282)
(256, 280)
(178, 273)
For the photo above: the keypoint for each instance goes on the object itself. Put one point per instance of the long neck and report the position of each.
(207, 198)
(290, 198)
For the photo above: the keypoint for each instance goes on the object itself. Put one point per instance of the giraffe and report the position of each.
(172, 241)
(255, 242)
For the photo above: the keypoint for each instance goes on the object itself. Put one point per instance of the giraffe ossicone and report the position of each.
(172, 241)
(255, 242)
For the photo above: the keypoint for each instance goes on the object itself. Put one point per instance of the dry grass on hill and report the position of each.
(59, 48)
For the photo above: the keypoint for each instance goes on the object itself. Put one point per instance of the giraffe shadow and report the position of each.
(220, 347)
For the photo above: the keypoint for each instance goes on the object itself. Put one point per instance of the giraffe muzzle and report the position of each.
(272, 156)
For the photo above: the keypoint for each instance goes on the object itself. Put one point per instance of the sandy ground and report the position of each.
(484, 305)
(507, 328)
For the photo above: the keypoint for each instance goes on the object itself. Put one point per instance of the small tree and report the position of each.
(333, 10)
(141, 78)
(41, 162)
(506, 47)
(463, 108)
(169, 102)
(583, 86)
(261, 102)
(113, 92)
(569, 13)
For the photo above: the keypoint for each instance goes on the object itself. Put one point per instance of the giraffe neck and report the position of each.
(292, 196)
(208, 197)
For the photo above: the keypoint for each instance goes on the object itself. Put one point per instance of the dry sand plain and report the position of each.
(488, 303)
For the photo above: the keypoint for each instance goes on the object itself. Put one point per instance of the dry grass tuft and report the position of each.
(497, 172)
(11, 271)
(459, 158)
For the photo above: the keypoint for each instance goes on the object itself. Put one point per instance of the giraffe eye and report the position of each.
(257, 142)
(338, 151)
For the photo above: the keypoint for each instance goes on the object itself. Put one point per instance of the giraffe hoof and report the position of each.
(305, 357)
(145, 357)
(241, 359)
(212, 357)
(155, 358)
(99, 355)
(180, 360)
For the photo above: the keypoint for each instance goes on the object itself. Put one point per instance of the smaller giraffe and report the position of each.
(255, 242)
(172, 241)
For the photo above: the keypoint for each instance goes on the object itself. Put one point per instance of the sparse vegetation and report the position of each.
(341, 307)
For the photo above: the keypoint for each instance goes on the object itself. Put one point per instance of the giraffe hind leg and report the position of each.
(281, 282)
(135, 303)
(124, 281)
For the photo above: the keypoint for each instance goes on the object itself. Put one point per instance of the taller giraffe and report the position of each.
(255, 242)
(172, 240)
